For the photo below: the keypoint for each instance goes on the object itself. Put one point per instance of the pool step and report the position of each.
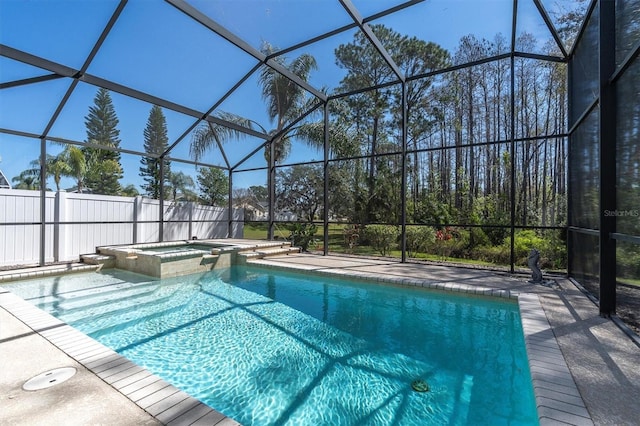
(107, 261)
(170, 263)
(267, 252)
(44, 271)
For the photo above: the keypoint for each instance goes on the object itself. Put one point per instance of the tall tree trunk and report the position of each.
(372, 168)
(470, 134)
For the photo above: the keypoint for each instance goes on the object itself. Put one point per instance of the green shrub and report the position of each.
(381, 237)
(450, 242)
(554, 251)
(459, 245)
(477, 237)
(552, 247)
(496, 235)
(628, 262)
(351, 235)
(419, 239)
(525, 240)
(499, 255)
(430, 210)
(303, 235)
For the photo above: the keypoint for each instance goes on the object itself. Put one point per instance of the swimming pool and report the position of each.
(281, 348)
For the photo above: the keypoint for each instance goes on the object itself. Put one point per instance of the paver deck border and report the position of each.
(557, 397)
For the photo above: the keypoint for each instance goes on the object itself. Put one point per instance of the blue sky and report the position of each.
(158, 50)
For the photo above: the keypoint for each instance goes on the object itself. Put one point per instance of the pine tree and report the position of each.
(156, 142)
(214, 186)
(103, 166)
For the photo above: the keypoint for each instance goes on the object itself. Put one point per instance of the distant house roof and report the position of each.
(259, 206)
(74, 189)
(4, 182)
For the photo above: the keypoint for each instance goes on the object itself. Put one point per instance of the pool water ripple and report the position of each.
(284, 349)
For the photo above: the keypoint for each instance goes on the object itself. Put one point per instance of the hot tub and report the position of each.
(171, 259)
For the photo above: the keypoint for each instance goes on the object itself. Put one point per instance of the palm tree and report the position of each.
(285, 100)
(77, 164)
(27, 180)
(208, 134)
(181, 183)
(130, 191)
(57, 167)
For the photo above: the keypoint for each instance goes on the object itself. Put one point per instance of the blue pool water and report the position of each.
(273, 348)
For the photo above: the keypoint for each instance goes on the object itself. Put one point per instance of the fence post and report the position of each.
(56, 228)
(137, 209)
(190, 231)
(60, 240)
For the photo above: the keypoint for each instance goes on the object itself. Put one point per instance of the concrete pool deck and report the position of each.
(600, 386)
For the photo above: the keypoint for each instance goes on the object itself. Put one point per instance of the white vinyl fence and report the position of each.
(78, 223)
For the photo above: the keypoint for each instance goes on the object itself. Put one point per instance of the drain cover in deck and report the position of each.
(49, 378)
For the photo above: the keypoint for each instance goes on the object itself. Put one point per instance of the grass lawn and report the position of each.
(255, 231)
(629, 281)
(337, 244)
